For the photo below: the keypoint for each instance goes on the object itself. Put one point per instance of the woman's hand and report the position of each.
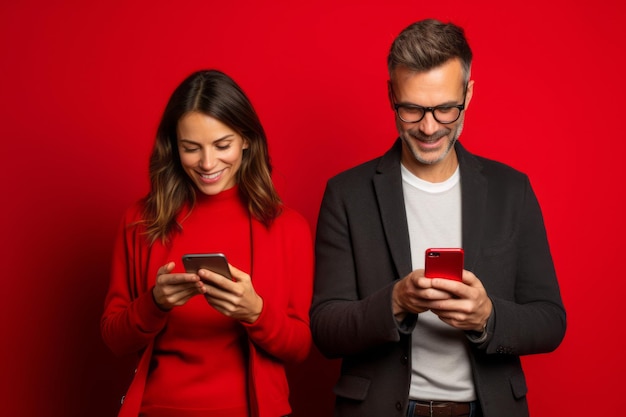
(234, 298)
(173, 290)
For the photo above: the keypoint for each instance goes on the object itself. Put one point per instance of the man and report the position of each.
(417, 346)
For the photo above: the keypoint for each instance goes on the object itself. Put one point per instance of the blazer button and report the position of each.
(398, 405)
(404, 360)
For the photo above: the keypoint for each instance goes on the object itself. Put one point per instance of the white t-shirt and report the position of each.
(440, 357)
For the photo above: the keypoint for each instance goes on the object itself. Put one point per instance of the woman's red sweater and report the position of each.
(193, 360)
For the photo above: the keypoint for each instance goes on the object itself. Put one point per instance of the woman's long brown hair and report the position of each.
(214, 94)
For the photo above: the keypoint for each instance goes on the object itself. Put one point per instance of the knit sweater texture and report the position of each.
(192, 359)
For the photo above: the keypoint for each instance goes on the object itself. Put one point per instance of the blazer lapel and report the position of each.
(388, 188)
(474, 199)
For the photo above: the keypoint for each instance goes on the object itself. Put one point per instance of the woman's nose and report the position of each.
(207, 162)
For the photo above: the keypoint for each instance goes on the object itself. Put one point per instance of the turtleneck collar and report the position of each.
(228, 194)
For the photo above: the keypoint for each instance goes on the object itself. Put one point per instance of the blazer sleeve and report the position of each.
(351, 315)
(521, 281)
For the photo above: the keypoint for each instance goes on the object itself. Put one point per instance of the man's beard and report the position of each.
(416, 134)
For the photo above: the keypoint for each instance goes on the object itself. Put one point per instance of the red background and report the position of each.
(82, 87)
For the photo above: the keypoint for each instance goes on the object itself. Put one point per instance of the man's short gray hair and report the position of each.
(427, 44)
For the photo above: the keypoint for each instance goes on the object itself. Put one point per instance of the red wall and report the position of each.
(82, 85)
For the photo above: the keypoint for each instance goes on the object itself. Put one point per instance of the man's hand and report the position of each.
(469, 308)
(463, 305)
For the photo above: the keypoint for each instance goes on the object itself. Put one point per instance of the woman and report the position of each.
(221, 354)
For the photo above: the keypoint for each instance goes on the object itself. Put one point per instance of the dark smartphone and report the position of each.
(215, 262)
(444, 263)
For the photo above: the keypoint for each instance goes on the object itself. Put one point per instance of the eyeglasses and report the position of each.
(444, 114)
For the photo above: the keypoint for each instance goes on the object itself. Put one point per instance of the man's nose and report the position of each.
(428, 125)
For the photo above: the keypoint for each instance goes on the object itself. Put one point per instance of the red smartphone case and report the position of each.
(444, 263)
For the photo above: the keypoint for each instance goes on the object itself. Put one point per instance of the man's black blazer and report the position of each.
(362, 248)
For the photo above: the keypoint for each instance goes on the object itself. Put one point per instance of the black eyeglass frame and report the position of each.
(425, 110)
